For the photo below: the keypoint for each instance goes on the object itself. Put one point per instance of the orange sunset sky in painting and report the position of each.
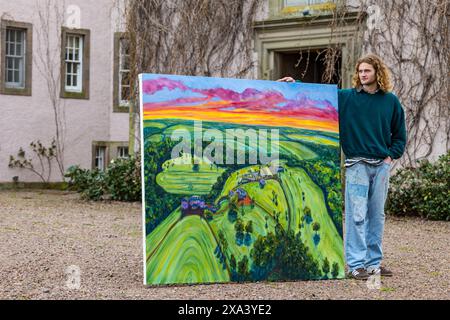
(250, 102)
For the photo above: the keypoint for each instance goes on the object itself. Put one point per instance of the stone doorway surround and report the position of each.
(295, 34)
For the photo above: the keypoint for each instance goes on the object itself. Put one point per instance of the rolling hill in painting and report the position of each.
(210, 220)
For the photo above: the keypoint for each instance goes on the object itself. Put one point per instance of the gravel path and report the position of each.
(44, 232)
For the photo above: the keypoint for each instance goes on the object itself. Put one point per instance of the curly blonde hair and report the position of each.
(381, 72)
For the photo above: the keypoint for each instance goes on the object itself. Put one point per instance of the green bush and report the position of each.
(121, 181)
(423, 191)
(89, 183)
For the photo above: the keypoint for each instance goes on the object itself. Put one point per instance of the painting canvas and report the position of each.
(241, 180)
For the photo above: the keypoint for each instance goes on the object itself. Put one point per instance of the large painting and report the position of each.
(241, 180)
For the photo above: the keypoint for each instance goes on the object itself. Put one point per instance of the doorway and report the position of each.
(306, 66)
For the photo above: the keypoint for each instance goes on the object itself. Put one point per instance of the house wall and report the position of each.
(30, 118)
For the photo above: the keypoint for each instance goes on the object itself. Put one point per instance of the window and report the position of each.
(296, 3)
(15, 58)
(122, 152)
(75, 63)
(121, 81)
(124, 72)
(298, 7)
(99, 161)
(16, 44)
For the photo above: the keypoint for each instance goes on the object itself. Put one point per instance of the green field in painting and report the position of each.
(316, 139)
(183, 249)
(186, 256)
(294, 182)
(257, 216)
(265, 199)
(296, 150)
(179, 176)
(155, 238)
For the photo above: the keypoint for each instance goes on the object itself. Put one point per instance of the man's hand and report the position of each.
(388, 160)
(286, 79)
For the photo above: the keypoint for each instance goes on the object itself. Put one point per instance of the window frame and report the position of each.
(97, 146)
(123, 148)
(83, 83)
(21, 56)
(79, 87)
(118, 105)
(111, 150)
(27, 49)
(98, 156)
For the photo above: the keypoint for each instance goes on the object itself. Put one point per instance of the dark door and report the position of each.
(307, 66)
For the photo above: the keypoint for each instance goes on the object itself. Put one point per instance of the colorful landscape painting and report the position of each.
(211, 217)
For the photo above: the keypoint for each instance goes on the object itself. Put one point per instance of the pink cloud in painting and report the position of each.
(150, 87)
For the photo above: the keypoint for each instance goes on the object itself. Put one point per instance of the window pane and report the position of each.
(16, 76)
(19, 49)
(125, 78)
(9, 63)
(11, 50)
(68, 80)
(125, 46)
(125, 94)
(9, 76)
(125, 63)
(80, 49)
(122, 152)
(20, 37)
(76, 68)
(75, 80)
(21, 71)
(77, 55)
(18, 65)
(70, 55)
(99, 158)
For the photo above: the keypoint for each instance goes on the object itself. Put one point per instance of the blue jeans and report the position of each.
(366, 189)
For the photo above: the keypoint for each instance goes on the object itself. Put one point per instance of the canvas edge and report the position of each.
(141, 76)
(141, 107)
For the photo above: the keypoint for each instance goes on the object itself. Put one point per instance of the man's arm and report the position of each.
(398, 131)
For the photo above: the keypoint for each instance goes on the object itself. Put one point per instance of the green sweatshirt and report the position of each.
(371, 125)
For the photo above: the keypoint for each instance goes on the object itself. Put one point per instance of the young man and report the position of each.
(372, 133)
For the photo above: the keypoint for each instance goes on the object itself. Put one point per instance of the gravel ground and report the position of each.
(44, 232)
